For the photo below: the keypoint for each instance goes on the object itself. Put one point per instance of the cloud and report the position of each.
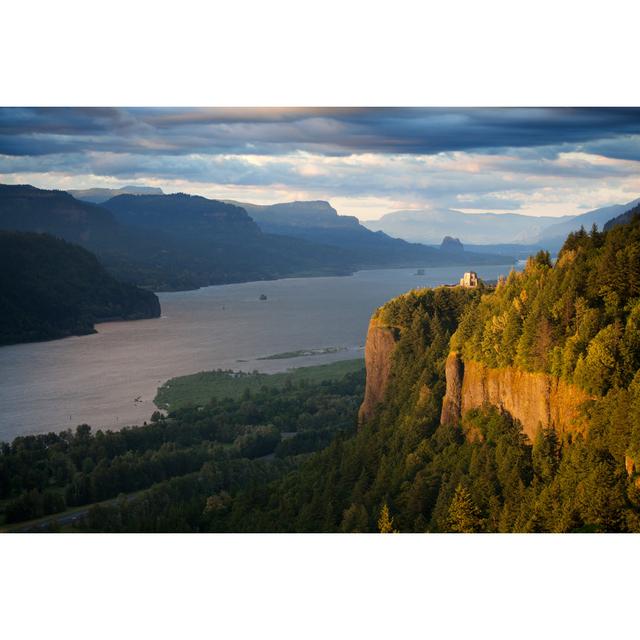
(488, 202)
(327, 131)
(548, 161)
(623, 148)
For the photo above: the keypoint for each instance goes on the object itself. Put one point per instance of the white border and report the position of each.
(314, 586)
(331, 53)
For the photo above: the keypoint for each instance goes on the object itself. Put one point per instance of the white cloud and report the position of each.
(366, 162)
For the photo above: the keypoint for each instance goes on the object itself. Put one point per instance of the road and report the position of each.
(65, 518)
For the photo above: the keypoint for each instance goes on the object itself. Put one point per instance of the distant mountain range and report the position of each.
(309, 214)
(213, 242)
(179, 241)
(167, 242)
(430, 225)
(317, 221)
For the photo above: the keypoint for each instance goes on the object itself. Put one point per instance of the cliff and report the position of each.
(381, 341)
(535, 399)
(452, 401)
(480, 359)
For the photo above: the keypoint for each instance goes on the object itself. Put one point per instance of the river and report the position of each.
(109, 379)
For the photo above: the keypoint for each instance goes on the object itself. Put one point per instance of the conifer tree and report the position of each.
(464, 516)
(385, 521)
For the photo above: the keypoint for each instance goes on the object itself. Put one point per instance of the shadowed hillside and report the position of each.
(168, 242)
(52, 289)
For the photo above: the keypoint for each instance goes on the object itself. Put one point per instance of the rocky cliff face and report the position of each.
(379, 347)
(535, 399)
(452, 401)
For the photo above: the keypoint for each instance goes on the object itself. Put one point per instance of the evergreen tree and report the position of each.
(385, 521)
(546, 454)
(464, 516)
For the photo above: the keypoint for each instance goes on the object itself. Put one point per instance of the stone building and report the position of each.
(469, 280)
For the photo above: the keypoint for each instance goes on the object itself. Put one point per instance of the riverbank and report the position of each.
(200, 388)
(109, 379)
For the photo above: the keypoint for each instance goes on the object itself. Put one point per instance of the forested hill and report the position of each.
(402, 468)
(577, 322)
(50, 288)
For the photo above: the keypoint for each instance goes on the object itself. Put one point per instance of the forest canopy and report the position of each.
(292, 460)
(578, 320)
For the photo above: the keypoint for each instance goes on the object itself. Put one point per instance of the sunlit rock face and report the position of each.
(536, 400)
(451, 403)
(378, 352)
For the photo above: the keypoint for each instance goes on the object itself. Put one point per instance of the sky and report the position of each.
(365, 161)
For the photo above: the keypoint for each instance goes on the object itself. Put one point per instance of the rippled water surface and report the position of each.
(109, 379)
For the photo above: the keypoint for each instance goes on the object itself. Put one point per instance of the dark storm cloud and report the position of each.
(623, 148)
(324, 131)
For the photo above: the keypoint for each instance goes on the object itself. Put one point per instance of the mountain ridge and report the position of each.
(430, 225)
(223, 245)
(317, 221)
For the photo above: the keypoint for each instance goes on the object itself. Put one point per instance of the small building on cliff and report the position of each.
(469, 280)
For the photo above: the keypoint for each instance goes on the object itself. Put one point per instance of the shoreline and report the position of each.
(95, 378)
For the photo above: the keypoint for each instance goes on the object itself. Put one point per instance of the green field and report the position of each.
(199, 388)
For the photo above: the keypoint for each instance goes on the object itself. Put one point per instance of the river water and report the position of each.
(109, 379)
